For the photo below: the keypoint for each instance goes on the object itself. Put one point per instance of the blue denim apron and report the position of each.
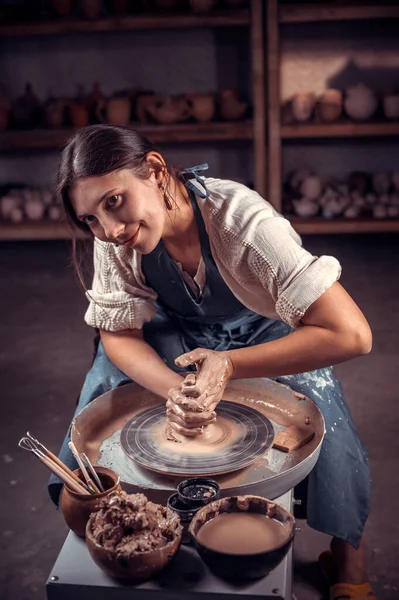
(338, 488)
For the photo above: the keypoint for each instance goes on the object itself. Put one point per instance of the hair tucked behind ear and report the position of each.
(98, 150)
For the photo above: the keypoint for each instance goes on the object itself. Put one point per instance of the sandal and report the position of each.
(343, 591)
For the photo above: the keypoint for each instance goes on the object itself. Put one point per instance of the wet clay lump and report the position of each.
(242, 533)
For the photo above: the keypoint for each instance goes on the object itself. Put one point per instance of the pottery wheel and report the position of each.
(239, 437)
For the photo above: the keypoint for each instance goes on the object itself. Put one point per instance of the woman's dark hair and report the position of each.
(97, 150)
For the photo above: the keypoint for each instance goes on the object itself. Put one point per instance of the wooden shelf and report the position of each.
(334, 226)
(48, 230)
(159, 134)
(310, 13)
(227, 18)
(43, 230)
(340, 129)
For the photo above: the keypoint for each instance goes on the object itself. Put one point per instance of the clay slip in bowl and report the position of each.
(243, 566)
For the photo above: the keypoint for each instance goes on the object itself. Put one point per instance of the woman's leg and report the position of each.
(338, 495)
(102, 377)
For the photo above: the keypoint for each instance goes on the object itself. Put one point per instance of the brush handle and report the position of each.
(61, 474)
(55, 459)
(89, 481)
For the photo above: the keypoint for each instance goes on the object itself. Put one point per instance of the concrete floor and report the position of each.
(46, 349)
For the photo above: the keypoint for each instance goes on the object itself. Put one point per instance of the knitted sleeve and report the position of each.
(263, 258)
(119, 298)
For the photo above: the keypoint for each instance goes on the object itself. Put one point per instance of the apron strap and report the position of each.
(194, 182)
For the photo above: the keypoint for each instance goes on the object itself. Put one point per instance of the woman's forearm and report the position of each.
(132, 355)
(303, 350)
(334, 330)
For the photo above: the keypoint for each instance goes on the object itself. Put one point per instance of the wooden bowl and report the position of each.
(77, 508)
(243, 566)
(139, 566)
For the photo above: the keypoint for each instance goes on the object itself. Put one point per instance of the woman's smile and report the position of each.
(131, 242)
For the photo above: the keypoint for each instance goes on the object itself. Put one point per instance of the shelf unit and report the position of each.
(255, 129)
(276, 15)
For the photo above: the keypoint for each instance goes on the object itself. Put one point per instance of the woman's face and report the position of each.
(121, 208)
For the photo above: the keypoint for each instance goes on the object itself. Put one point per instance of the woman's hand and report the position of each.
(192, 405)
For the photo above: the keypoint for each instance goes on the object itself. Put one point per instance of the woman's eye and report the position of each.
(113, 201)
(89, 220)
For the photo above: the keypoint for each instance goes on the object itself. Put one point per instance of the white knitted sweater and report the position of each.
(256, 250)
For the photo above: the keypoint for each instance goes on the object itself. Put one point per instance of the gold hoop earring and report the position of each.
(167, 201)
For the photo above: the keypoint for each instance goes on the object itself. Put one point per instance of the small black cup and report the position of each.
(198, 491)
(186, 514)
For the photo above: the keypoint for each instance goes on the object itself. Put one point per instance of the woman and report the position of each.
(202, 271)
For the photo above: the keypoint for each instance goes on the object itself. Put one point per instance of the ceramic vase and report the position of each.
(303, 104)
(90, 9)
(231, 107)
(77, 508)
(200, 6)
(360, 102)
(118, 110)
(202, 106)
(391, 106)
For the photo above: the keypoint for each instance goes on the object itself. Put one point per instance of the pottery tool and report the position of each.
(27, 444)
(93, 472)
(90, 483)
(239, 437)
(293, 438)
(53, 457)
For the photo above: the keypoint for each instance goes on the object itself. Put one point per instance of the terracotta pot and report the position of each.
(202, 5)
(118, 7)
(118, 110)
(391, 106)
(79, 114)
(4, 118)
(331, 105)
(54, 114)
(77, 508)
(167, 110)
(90, 9)
(303, 104)
(231, 107)
(202, 106)
(166, 4)
(62, 8)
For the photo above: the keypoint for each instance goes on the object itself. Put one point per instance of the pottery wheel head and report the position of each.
(239, 436)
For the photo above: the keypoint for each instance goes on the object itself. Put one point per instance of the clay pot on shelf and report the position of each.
(360, 102)
(201, 6)
(79, 113)
(231, 107)
(234, 3)
(77, 508)
(303, 104)
(53, 114)
(26, 111)
(168, 110)
(117, 110)
(118, 7)
(202, 106)
(5, 108)
(95, 97)
(166, 4)
(61, 8)
(390, 105)
(144, 104)
(90, 9)
(330, 105)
